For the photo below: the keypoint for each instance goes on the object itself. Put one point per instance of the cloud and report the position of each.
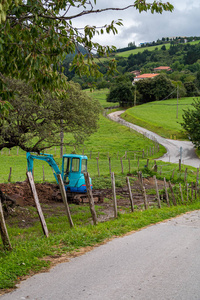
(145, 27)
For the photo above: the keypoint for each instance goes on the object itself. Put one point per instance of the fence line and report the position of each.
(101, 166)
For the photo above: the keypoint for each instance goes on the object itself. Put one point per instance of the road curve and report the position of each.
(173, 147)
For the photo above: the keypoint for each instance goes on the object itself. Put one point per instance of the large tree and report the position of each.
(36, 35)
(34, 129)
(122, 91)
(153, 89)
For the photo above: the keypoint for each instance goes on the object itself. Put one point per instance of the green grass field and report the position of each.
(152, 48)
(114, 141)
(111, 140)
(100, 95)
(141, 49)
(160, 116)
(134, 51)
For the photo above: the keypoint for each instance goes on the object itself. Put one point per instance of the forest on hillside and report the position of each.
(183, 59)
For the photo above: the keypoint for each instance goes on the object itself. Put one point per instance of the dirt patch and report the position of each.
(51, 202)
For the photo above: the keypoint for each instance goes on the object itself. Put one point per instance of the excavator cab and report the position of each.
(73, 168)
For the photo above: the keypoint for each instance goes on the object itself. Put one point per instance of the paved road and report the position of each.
(189, 156)
(160, 262)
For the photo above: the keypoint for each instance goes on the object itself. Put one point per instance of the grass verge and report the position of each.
(30, 246)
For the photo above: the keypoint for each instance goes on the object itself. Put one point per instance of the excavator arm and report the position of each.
(45, 157)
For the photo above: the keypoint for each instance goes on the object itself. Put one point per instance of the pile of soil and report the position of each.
(21, 192)
(50, 199)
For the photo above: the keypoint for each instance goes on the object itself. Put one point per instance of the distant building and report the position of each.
(145, 76)
(135, 72)
(162, 68)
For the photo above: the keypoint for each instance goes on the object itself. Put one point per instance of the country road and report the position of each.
(174, 152)
(160, 262)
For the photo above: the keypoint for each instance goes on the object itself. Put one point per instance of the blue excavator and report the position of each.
(72, 172)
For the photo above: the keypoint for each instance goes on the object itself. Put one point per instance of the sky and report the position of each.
(145, 27)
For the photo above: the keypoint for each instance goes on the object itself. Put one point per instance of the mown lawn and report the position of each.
(160, 116)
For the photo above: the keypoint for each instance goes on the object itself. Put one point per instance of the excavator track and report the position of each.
(83, 198)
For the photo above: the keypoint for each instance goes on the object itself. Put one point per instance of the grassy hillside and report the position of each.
(141, 49)
(134, 51)
(100, 95)
(125, 54)
(160, 116)
(152, 48)
(111, 140)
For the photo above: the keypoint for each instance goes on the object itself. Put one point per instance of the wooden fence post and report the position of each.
(157, 192)
(172, 192)
(10, 173)
(166, 192)
(160, 170)
(129, 165)
(146, 205)
(155, 167)
(187, 190)
(196, 189)
(3, 230)
(64, 198)
(98, 166)
(197, 180)
(130, 193)
(90, 197)
(147, 162)
(179, 165)
(37, 203)
(138, 163)
(173, 173)
(122, 165)
(192, 190)
(114, 194)
(181, 192)
(109, 164)
(143, 153)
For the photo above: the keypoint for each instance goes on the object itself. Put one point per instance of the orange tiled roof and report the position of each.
(148, 75)
(163, 68)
